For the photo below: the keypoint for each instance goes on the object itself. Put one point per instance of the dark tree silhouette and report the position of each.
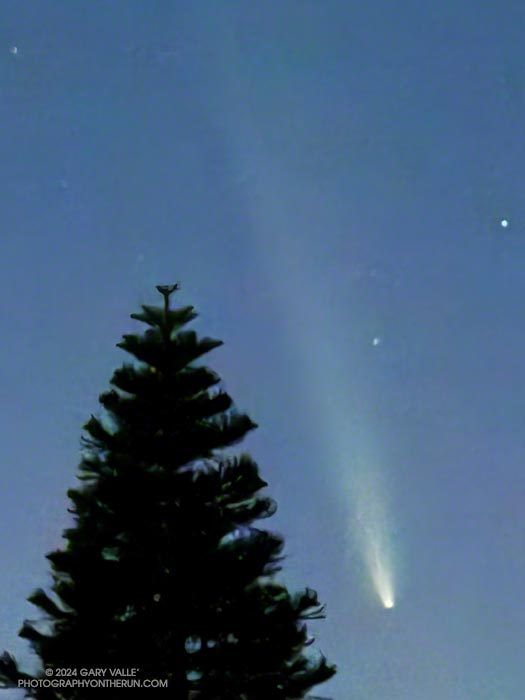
(164, 569)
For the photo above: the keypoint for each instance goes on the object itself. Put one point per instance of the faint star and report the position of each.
(376, 341)
(14, 50)
(504, 223)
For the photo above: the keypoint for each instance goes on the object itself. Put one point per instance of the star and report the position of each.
(504, 223)
(376, 341)
(14, 50)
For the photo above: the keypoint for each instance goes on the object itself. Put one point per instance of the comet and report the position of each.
(324, 347)
(373, 533)
(380, 570)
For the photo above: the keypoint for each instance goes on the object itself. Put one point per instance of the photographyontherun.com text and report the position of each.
(92, 678)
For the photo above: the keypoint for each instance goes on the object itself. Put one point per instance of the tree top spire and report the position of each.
(167, 290)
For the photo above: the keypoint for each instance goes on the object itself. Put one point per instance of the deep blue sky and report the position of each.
(317, 175)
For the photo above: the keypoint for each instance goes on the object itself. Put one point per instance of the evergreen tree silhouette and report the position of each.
(164, 569)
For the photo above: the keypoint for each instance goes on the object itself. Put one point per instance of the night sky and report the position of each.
(328, 182)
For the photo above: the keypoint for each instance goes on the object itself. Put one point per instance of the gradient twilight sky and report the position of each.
(317, 175)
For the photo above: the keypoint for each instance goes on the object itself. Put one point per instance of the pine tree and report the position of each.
(164, 569)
